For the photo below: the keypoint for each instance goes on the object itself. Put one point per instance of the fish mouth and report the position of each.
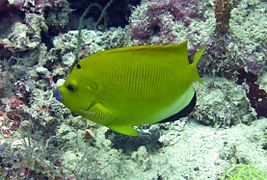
(57, 94)
(54, 86)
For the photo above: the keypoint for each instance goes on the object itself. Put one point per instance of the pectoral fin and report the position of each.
(98, 113)
(127, 130)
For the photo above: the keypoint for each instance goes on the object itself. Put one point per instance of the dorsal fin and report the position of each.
(180, 49)
(172, 53)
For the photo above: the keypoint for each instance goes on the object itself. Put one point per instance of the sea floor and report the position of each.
(195, 151)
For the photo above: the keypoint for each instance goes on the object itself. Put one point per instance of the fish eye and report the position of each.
(78, 66)
(71, 88)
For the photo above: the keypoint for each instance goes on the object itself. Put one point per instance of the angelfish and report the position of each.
(131, 86)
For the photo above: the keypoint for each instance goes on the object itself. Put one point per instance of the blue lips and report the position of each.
(57, 94)
(55, 88)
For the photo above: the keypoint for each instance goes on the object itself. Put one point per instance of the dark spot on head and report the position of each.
(71, 88)
(78, 66)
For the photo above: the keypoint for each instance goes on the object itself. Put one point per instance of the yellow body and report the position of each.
(130, 86)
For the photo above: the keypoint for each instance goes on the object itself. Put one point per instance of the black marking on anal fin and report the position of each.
(184, 112)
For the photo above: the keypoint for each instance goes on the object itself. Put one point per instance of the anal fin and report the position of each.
(127, 130)
(184, 112)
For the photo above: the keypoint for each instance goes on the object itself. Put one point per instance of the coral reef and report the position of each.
(244, 46)
(11, 116)
(57, 16)
(222, 14)
(159, 18)
(227, 97)
(256, 95)
(41, 139)
(115, 15)
(241, 51)
(4, 83)
(25, 36)
(31, 21)
(34, 6)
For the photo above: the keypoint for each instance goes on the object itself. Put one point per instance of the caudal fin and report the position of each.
(197, 56)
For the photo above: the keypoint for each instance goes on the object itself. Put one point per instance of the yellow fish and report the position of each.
(131, 86)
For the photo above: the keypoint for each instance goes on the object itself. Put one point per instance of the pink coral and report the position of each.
(31, 5)
(155, 17)
(4, 79)
(11, 114)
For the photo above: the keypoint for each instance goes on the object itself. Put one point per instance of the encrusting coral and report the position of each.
(222, 103)
(222, 14)
(158, 17)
